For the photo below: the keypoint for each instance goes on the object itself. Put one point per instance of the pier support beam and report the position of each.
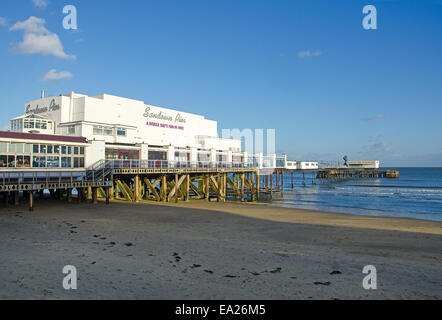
(31, 201)
(188, 188)
(5, 199)
(94, 191)
(79, 195)
(108, 191)
(207, 186)
(164, 188)
(136, 188)
(16, 198)
(291, 173)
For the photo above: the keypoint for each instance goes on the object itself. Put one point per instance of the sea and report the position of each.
(417, 194)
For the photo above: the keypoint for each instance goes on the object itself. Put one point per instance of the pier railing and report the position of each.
(168, 164)
(39, 177)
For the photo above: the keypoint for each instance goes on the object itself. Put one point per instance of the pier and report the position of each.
(166, 181)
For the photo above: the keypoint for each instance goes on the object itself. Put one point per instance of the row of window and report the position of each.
(11, 161)
(13, 147)
(108, 131)
(30, 124)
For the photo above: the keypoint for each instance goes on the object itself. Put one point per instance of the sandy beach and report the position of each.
(201, 250)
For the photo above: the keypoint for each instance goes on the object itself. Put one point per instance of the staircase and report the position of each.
(98, 171)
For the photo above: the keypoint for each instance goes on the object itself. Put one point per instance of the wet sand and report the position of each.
(202, 250)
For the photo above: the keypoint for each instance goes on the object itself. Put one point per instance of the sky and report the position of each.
(307, 69)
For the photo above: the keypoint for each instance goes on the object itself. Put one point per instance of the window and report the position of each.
(107, 131)
(121, 132)
(63, 149)
(157, 155)
(39, 162)
(23, 161)
(11, 161)
(29, 124)
(42, 148)
(56, 149)
(35, 148)
(71, 130)
(11, 148)
(53, 162)
(76, 150)
(27, 148)
(3, 147)
(81, 150)
(49, 149)
(98, 130)
(3, 161)
(65, 162)
(69, 149)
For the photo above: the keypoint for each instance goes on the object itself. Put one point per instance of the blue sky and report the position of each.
(305, 68)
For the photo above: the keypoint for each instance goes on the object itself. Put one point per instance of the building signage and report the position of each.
(53, 106)
(161, 116)
(164, 125)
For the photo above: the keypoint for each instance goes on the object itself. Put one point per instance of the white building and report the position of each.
(127, 129)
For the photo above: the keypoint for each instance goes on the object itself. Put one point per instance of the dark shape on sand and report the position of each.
(196, 266)
(208, 271)
(275, 270)
(327, 283)
(230, 276)
(129, 244)
(335, 272)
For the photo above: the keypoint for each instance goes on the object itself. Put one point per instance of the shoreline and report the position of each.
(270, 212)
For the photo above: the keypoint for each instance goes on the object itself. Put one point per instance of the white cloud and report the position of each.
(308, 53)
(40, 3)
(376, 117)
(38, 40)
(53, 75)
(3, 22)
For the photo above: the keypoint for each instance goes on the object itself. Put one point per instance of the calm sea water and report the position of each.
(417, 194)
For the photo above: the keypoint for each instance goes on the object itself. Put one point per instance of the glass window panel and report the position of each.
(49, 148)
(27, 148)
(11, 148)
(3, 147)
(3, 161)
(27, 161)
(81, 150)
(63, 149)
(69, 150)
(11, 161)
(35, 148)
(19, 147)
(65, 162)
(42, 148)
(56, 149)
(76, 150)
